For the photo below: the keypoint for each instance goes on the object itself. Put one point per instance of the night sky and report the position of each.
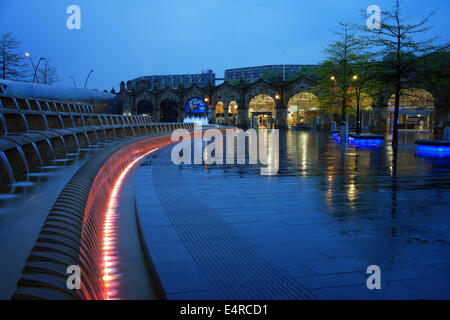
(122, 40)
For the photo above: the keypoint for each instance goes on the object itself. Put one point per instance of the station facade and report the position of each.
(245, 103)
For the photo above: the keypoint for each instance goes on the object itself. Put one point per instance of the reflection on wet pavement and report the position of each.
(333, 210)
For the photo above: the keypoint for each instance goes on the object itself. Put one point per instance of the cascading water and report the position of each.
(77, 143)
(45, 121)
(24, 159)
(37, 153)
(96, 135)
(3, 121)
(87, 138)
(25, 120)
(73, 121)
(64, 144)
(61, 121)
(199, 120)
(51, 149)
(8, 167)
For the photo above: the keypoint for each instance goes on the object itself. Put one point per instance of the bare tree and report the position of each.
(11, 63)
(398, 41)
(47, 73)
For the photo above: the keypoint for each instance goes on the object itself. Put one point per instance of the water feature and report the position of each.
(8, 167)
(66, 151)
(37, 153)
(24, 159)
(77, 142)
(3, 121)
(87, 138)
(51, 148)
(73, 121)
(61, 121)
(198, 120)
(47, 127)
(25, 121)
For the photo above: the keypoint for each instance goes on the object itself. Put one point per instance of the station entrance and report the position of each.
(262, 120)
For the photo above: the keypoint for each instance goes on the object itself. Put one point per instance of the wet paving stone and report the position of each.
(330, 212)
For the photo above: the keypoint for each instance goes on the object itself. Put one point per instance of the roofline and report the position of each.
(273, 65)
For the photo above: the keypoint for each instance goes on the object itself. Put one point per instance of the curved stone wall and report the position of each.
(72, 233)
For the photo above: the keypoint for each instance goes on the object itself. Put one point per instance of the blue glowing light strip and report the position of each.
(439, 151)
(365, 142)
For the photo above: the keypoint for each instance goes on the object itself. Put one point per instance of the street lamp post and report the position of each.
(35, 68)
(358, 112)
(87, 79)
(277, 100)
(73, 81)
(333, 78)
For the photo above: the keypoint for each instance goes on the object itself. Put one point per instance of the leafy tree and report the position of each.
(402, 44)
(364, 85)
(11, 62)
(308, 72)
(238, 82)
(272, 76)
(277, 76)
(336, 73)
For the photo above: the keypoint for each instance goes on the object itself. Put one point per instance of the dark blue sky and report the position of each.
(122, 40)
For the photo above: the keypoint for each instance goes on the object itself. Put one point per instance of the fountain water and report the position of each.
(61, 120)
(3, 121)
(73, 121)
(25, 120)
(199, 120)
(87, 138)
(45, 121)
(51, 149)
(37, 153)
(77, 143)
(24, 159)
(64, 144)
(7, 167)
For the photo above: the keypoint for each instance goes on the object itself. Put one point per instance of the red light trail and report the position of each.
(110, 259)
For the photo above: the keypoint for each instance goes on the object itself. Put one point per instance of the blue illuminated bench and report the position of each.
(366, 140)
(367, 136)
(335, 133)
(438, 148)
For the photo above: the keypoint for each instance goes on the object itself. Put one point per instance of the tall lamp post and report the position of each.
(207, 100)
(35, 68)
(87, 79)
(73, 81)
(358, 112)
(277, 100)
(333, 78)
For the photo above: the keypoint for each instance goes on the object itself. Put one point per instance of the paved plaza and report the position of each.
(309, 232)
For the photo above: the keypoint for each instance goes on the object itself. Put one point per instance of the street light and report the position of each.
(35, 68)
(87, 79)
(358, 112)
(73, 81)
(333, 78)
